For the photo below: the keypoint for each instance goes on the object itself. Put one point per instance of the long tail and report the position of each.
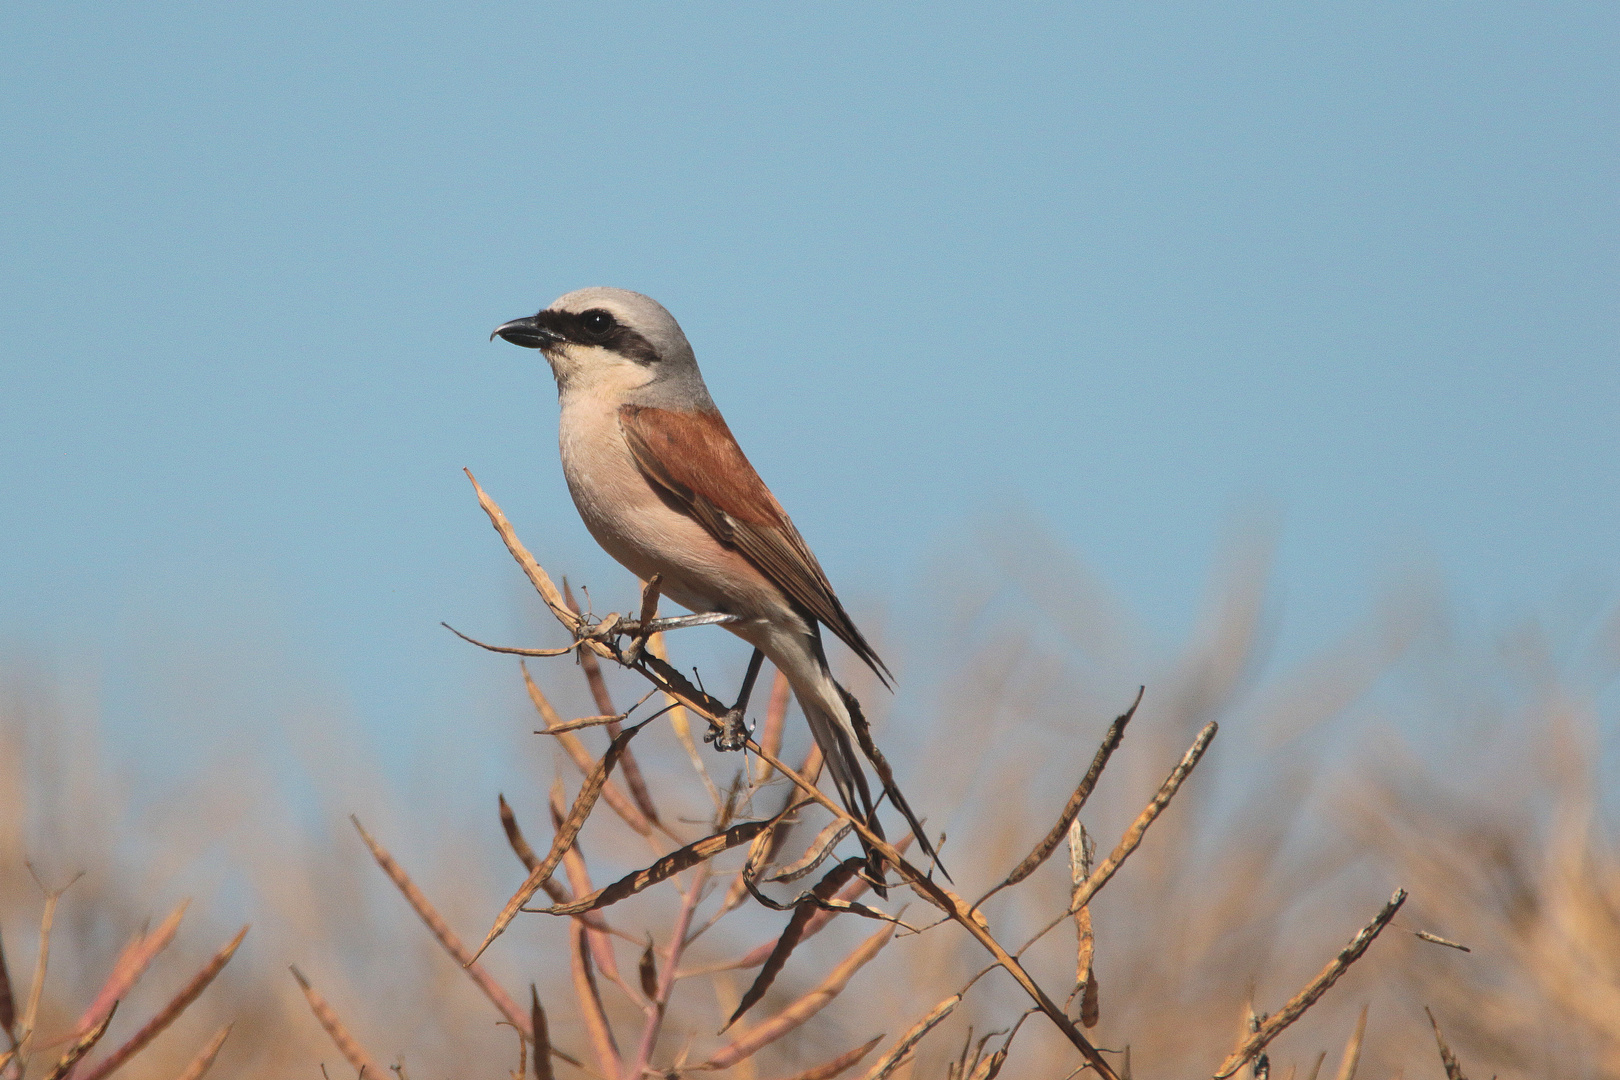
(838, 751)
(839, 726)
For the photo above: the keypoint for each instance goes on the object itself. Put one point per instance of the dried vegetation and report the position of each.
(1238, 925)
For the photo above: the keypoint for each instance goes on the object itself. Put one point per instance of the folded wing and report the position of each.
(694, 458)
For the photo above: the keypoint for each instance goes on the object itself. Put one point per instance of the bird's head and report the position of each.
(612, 341)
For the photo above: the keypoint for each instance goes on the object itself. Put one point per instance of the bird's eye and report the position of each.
(596, 322)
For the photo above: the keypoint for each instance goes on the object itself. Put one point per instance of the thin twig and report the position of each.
(1318, 986)
(592, 667)
(749, 1042)
(441, 930)
(329, 1019)
(1447, 1058)
(81, 1046)
(588, 794)
(200, 1064)
(1054, 837)
(571, 744)
(1352, 1050)
(1132, 838)
(511, 650)
(129, 967)
(907, 1042)
(170, 1012)
(666, 984)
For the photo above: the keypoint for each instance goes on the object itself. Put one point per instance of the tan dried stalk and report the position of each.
(1447, 1058)
(1352, 1049)
(1132, 839)
(843, 1062)
(588, 794)
(590, 1002)
(351, 1050)
(592, 667)
(170, 1012)
(200, 1064)
(441, 931)
(767, 1032)
(667, 867)
(1085, 979)
(129, 967)
(792, 934)
(1071, 810)
(1313, 990)
(581, 757)
(907, 1043)
(81, 1046)
(596, 929)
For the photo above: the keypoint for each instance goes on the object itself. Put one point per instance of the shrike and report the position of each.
(665, 489)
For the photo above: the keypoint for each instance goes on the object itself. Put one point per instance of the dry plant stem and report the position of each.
(201, 1063)
(760, 954)
(1352, 1049)
(508, 649)
(1318, 986)
(169, 1013)
(666, 982)
(694, 854)
(1085, 979)
(792, 934)
(47, 919)
(616, 798)
(579, 878)
(441, 930)
(555, 889)
(957, 908)
(588, 794)
(907, 1042)
(81, 1047)
(1049, 843)
(590, 1003)
(682, 727)
(542, 1036)
(604, 702)
(131, 964)
(770, 735)
(829, 1069)
(351, 1050)
(531, 569)
(1447, 1058)
(749, 1042)
(1132, 838)
(759, 857)
(827, 839)
(674, 684)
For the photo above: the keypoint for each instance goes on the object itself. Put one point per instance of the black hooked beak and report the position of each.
(526, 332)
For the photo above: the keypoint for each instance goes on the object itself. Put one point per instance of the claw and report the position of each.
(732, 734)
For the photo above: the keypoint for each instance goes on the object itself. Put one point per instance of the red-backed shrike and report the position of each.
(665, 489)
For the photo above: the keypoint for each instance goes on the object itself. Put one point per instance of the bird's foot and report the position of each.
(732, 734)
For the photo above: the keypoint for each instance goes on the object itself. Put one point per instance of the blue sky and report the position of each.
(1143, 271)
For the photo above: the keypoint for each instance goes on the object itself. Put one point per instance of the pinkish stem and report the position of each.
(666, 980)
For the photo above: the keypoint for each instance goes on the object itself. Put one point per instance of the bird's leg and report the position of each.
(733, 732)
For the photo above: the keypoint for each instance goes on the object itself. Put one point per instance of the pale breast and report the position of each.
(643, 533)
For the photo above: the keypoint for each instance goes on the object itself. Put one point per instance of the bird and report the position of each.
(664, 488)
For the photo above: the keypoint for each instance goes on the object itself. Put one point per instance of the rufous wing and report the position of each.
(694, 458)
